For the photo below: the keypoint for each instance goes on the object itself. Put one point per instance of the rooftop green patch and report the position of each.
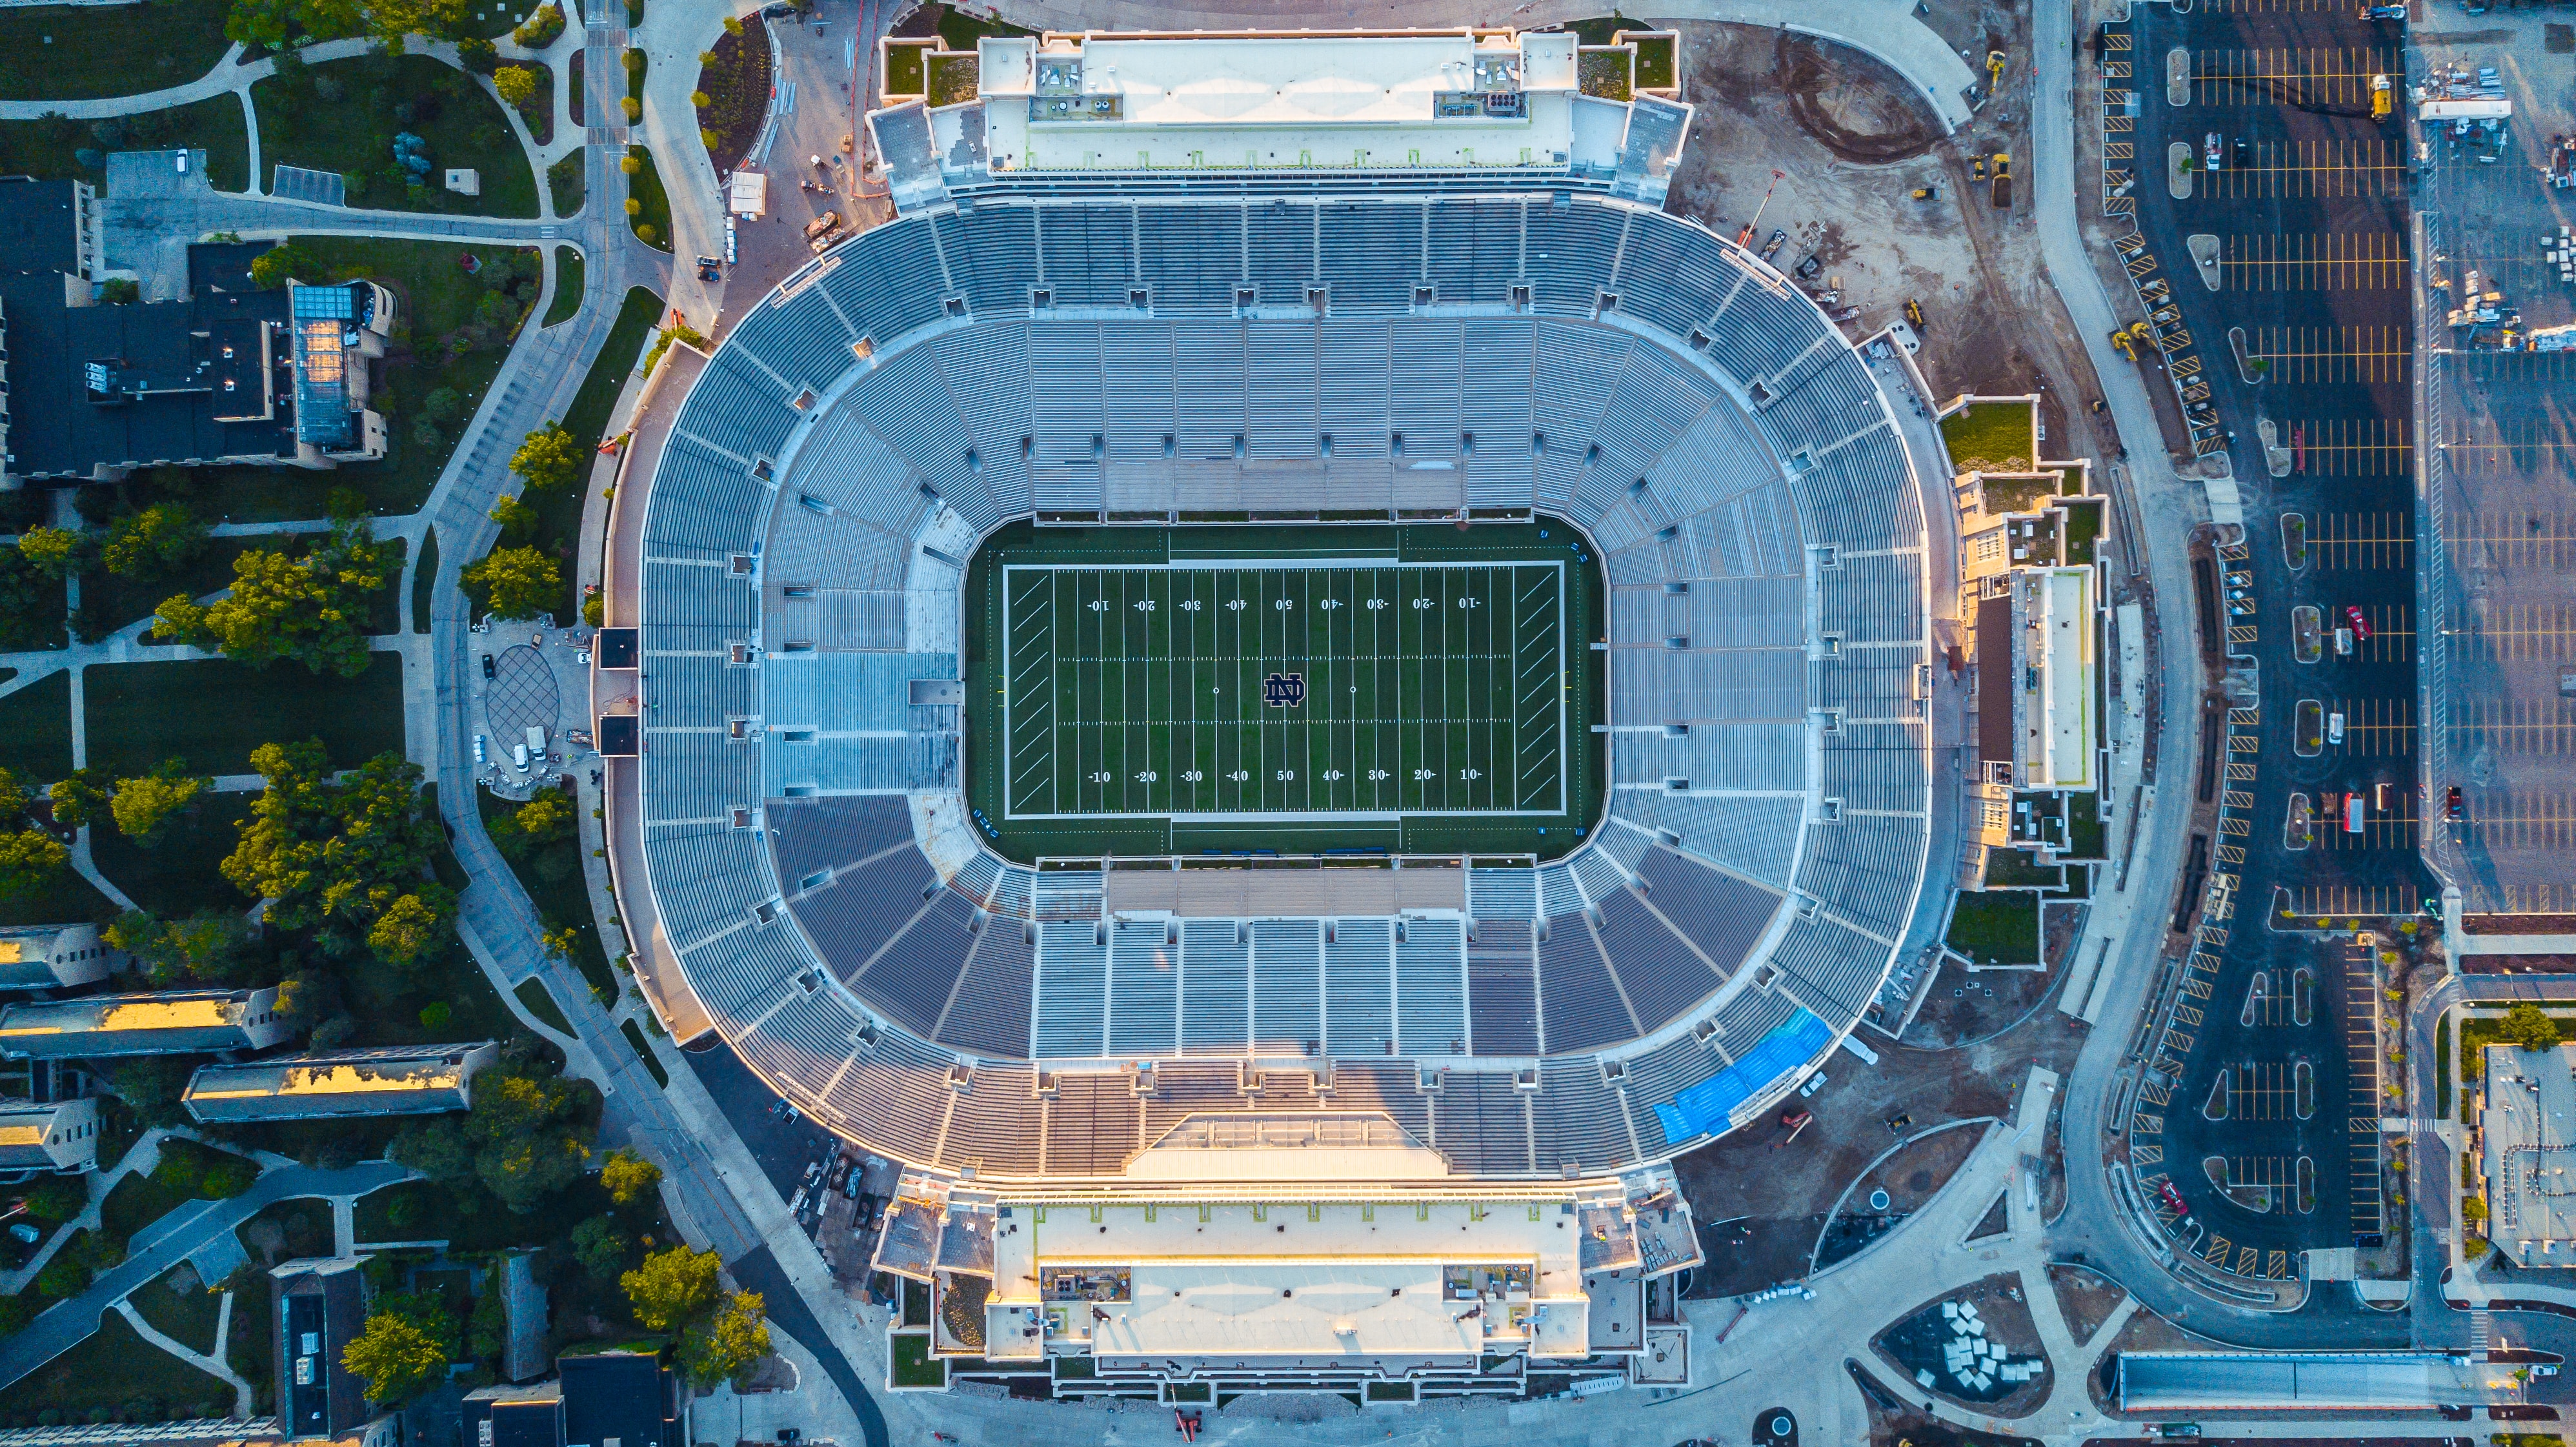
(1997, 435)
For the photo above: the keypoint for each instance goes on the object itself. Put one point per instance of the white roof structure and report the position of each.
(61, 1135)
(171, 1022)
(1453, 99)
(2057, 648)
(2525, 1130)
(2294, 1381)
(52, 956)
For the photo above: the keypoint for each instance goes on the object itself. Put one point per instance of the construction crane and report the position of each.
(1994, 71)
(1745, 236)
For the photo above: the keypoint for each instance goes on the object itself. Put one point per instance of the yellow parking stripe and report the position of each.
(2306, 261)
(2360, 541)
(2288, 77)
(2309, 355)
(2309, 170)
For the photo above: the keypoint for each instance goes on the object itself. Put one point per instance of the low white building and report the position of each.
(171, 1022)
(54, 956)
(391, 1080)
(58, 1135)
(2525, 1131)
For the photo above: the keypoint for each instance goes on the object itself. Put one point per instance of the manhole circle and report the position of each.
(1878, 1200)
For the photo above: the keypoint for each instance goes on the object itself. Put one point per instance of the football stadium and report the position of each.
(1241, 705)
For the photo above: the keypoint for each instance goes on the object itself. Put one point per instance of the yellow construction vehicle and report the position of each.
(1994, 71)
(2130, 338)
(1914, 313)
(2383, 98)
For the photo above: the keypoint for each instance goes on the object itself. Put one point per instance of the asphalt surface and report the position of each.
(2306, 208)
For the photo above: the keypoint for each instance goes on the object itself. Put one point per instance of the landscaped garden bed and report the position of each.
(735, 79)
(344, 116)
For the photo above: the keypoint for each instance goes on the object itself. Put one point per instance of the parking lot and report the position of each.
(2288, 257)
(2499, 584)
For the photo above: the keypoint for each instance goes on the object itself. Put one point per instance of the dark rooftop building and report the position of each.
(612, 1399)
(319, 1306)
(225, 374)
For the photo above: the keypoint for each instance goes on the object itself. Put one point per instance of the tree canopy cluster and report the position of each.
(280, 24)
(679, 1290)
(514, 582)
(2528, 1026)
(406, 1345)
(523, 1139)
(347, 858)
(311, 609)
(30, 857)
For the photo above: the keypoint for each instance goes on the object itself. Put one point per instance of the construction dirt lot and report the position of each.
(1763, 1198)
(1853, 143)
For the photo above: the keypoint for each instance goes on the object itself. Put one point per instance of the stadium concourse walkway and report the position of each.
(1886, 29)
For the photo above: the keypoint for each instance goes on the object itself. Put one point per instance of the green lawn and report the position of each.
(912, 1363)
(81, 52)
(533, 994)
(463, 127)
(388, 1005)
(435, 299)
(110, 602)
(36, 730)
(246, 1348)
(1997, 437)
(568, 282)
(644, 1052)
(554, 882)
(141, 1199)
(302, 1226)
(2083, 530)
(559, 511)
(568, 180)
(2087, 835)
(1997, 929)
(652, 202)
(181, 1308)
(2478, 1031)
(213, 712)
(66, 897)
(424, 581)
(49, 149)
(117, 1369)
(182, 875)
(1143, 670)
(2012, 868)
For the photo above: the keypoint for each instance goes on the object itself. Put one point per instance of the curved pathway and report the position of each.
(229, 75)
(73, 1321)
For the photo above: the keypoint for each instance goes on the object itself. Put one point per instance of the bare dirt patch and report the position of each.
(1911, 1178)
(1895, 1423)
(1915, 1344)
(2084, 1299)
(1970, 1005)
(1860, 109)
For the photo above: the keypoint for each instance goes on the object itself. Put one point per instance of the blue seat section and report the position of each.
(1670, 276)
(1093, 1125)
(1287, 986)
(704, 504)
(992, 253)
(799, 336)
(1481, 1123)
(1073, 989)
(1431, 988)
(844, 692)
(1721, 914)
(1579, 1005)
(1567, 257)
(1474, 254)
(1279, 238)
(911, 981)
(1372, 257)
(1359, 988)
(1704, 1109)
(850, 920)
(696, 778)
(1087, 254)
(739, 407)
(1000, 1125)
(1657, 971)
(1216, 988)
(830, 833)
(892, 282)
(1193, 256)
(1831, 968)
(897, 1091)
(1144, 988)
(990, 1013)
(1502, 989)
(1582, 1124)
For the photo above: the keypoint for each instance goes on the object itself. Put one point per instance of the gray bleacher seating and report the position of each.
(985, 360)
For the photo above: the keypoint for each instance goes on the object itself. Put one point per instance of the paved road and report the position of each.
(72, 1321)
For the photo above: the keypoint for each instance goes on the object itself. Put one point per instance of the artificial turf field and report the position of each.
(1153, 690)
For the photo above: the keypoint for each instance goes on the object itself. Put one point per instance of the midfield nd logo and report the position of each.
(1284, 690)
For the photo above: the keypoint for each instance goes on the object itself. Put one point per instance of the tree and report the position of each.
(30, 860)
(628, 1176)
(227, 1178)
(600, 1248)
(333, 855)
(549, 457)
(2526, 1027)
(543, 820)
(286, 260)
(526, 1147)
(516, 83)
(518, 521)
(437, 1149)
(515, 582)
(719, 1348)
(57, 553)
(28, 603)
(395, 1357)
(2473, 1210)
(78, 799)
(415, 928)
(151, 1084)
(13, 797)
(700, 100)
(155, 542)
(144, 807)
(312, 610)
(203, 949)
(672, 1287)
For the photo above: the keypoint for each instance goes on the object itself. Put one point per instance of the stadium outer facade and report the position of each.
(1207, 1128)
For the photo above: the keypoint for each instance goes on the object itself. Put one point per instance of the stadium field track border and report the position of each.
(1073, 561)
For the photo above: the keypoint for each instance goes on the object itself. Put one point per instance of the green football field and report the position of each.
(1156, 690)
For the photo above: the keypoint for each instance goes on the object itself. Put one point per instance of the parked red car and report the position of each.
(2360, 625)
